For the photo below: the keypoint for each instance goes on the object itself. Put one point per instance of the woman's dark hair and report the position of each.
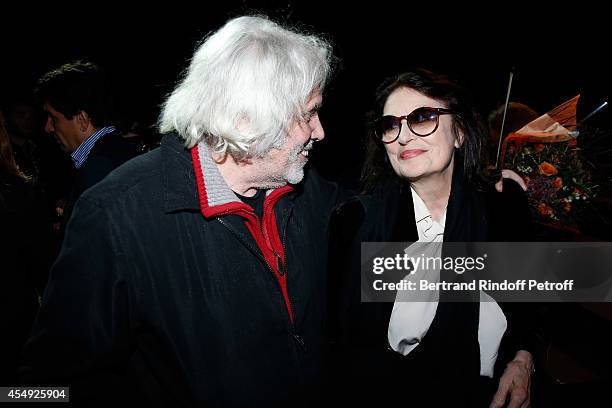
(466, 120)
(8, 166)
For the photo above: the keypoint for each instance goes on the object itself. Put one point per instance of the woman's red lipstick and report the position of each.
(409, 154)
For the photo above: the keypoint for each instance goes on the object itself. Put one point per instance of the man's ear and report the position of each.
(83, 121)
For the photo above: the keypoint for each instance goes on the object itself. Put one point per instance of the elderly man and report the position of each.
(194, 274)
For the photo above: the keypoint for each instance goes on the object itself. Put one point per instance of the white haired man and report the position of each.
(195, 273)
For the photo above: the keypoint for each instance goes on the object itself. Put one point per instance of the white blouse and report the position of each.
(410, 320)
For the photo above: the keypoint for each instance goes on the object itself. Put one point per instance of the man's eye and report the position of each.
(312, 113)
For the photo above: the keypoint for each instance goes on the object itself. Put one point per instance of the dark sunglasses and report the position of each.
(421, 121)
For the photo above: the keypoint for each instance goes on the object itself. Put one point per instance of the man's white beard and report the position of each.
(295, 166)
(293, 172)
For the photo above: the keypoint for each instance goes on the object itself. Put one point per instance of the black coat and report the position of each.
(151, 300)
(108, 153)
(444, 370)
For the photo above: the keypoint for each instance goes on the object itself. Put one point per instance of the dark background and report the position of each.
(557, 52)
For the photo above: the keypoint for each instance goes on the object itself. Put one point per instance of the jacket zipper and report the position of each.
(292, 329)
(258, 253)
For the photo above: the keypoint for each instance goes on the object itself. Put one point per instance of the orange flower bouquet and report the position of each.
(546, 154)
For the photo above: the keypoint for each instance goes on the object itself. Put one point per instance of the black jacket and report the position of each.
(152, 300)
(109, 152)
(444, 369)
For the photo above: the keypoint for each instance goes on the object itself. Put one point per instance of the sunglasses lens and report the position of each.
(388, 128)
(423, 121)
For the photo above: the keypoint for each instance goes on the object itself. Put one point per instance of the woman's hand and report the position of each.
(516, 382)
(509, 174)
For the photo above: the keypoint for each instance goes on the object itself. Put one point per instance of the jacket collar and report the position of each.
(179, 182)
(216, 198)
(192, 181)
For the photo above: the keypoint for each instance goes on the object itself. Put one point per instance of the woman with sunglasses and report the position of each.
(424, 181)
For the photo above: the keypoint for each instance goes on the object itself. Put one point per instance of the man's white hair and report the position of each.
(245, 86)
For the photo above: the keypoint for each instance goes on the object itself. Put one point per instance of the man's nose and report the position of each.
(318, 133)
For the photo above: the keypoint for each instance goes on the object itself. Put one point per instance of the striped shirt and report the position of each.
(79, 156)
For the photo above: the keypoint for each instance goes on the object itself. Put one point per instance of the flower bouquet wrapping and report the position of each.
(546, 153)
